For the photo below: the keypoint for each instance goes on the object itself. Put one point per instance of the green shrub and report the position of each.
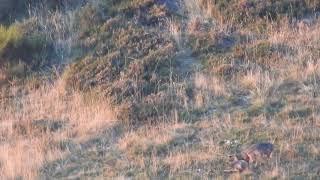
(9, 36)
(34, 50)
(131, 64)
(23, 42)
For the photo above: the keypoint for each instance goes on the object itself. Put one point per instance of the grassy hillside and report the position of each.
(148, 89)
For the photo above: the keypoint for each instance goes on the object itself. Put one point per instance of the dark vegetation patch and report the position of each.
(131, 64)
(38, 127)
(26, 44)
(248, 11)
(300, 113)
(13, 10)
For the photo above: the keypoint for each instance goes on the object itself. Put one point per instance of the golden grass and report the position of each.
(176, 32)
(183, 160)
(282, 108)
(149, 136)
(209, 156)
(23, 154)
(206, 88)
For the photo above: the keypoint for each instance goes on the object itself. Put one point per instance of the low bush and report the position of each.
(9, 36)
(24, 49)
(129, 64)
(18, 43)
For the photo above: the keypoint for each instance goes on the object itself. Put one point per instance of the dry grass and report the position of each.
(183, 160)
(176, 32)
(282, 109)
(203, 9)
(82, 118)
(208, 88)
(258, 82)
(211, 83)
